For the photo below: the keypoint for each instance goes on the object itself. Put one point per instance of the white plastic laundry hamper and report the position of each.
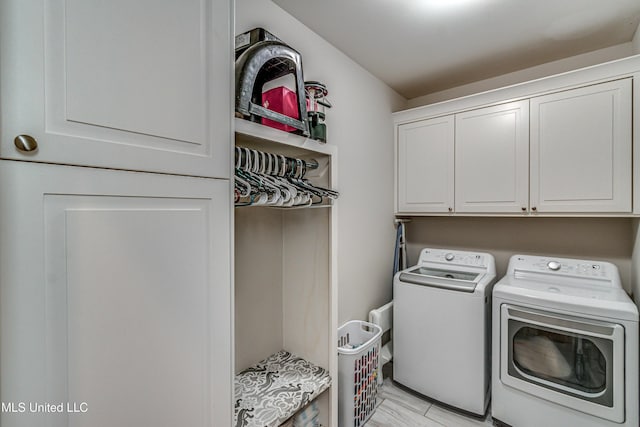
(358, 358)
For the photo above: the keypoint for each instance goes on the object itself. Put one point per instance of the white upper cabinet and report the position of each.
(125, 84)
(564, 145)
(425, 165)
(581, 149)
(492, 159)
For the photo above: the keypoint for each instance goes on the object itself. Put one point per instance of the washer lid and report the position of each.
(440, 278)
(447, 274)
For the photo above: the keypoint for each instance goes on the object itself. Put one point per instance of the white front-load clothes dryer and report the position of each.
(441, 327)
(565, 345)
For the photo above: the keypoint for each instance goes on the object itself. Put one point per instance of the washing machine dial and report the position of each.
(554, 265)
(449, 256)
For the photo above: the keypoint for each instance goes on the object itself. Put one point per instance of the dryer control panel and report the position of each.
(563, 267)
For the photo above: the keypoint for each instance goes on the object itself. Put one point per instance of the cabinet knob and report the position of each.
(450, 209)
(25, 143)
(534, 208)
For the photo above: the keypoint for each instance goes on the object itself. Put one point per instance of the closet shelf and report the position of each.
(254, 135)
(272, 391)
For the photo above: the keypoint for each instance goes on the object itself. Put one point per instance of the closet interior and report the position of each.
(285, 266)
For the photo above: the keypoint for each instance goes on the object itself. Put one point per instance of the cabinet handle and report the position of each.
(25, 143)
(534, 208)
(450, 209)
(524, 209)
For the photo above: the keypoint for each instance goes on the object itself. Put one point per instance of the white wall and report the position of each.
(360, 125)
(635, 261)
(258, 291)
(600, 239)
(635, 266)
(548, 69)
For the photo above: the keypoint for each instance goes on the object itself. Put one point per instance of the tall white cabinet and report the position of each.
(115, 292)
(115, 283)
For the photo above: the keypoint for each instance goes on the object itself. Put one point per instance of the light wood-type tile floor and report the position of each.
(400, 408)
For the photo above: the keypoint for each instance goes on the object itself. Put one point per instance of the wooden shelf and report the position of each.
(252, 134)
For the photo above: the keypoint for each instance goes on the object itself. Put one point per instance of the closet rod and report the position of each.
(242, 153)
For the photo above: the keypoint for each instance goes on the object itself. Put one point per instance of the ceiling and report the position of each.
(424, 46)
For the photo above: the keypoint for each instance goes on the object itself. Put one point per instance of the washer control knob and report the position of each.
(449, 256)
(553, 265)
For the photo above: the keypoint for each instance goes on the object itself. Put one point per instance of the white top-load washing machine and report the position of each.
(442, 328)
(565, 345)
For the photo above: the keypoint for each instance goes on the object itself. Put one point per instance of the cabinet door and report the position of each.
(581, 149)
(114, 298)
(492, 159)
(425, 166)
(125, 84)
